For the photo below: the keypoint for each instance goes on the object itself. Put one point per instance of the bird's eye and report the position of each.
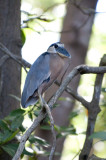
(56, 46)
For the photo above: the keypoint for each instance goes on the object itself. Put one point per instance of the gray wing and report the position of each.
(38, 73)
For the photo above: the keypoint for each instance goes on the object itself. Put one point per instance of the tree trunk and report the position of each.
(10, 72)
(76, 33)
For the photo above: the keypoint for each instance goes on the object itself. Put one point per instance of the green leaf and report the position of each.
(100, 135)
(30, 115)
(3, 125)
(45, 127)
(5, 131)
(22, 129)
(73, 114)
(64, 131)
(62, 99)
(7, 136)
(104, 90)
(12, 148)
(23, 37)
(17, 122)
(10, 136)
(41, 141)
(17, 112)
(27, 152)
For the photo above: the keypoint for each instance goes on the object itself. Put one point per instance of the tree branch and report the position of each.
(75, 95)
(93, 110)
(18, 59)
(3, 59)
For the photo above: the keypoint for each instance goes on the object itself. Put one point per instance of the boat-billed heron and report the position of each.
(43, 72)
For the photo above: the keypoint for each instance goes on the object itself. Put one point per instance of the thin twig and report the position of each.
(76, 154)
(44, 104)
(75, 95)
(3, 59)
(52, 129)
(16, 58)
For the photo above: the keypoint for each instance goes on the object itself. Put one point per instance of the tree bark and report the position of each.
(10, 72)
(77, 27)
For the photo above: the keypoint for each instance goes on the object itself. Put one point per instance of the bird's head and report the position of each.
(59, 49)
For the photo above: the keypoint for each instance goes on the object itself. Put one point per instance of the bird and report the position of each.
(43, 73)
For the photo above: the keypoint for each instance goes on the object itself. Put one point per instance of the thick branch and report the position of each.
(18, 59)
(75, 95)
(93, 111)
(84, 69)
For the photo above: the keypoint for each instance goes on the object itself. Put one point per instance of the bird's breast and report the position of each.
(56, 66)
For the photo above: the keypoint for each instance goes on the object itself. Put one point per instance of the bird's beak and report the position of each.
(63, 52)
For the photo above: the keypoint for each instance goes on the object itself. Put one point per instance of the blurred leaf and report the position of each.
(10, 136)
(30, 115)
(64, 99)
(6, 134)
(73, 114)
(100, 135)
(27, 153)
(45, 19)
(22, 129)
(64, 131)
(45, 127)
(48, 153)
(3, 125)
(12, 148)
(16, 123)
(5, 131)
(41, 141)
(103, 89)
(103, 104)
(55, 105)
(23, 37)
(15, 113)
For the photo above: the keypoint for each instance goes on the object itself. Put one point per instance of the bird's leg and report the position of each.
(44, 104)
(41, 99)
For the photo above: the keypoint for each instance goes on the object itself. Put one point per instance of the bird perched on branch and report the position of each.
(43, 72)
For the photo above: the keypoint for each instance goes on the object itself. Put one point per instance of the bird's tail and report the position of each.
(31, 101)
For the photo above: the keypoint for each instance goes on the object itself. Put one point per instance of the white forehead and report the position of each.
(53, 49)
(60, 44)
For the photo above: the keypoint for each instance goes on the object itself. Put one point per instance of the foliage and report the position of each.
(99, 135)
(13, 127)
